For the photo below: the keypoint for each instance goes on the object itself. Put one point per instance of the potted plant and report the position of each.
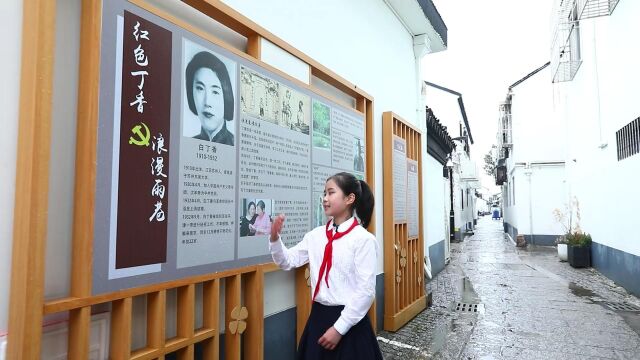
(575, 245)
(561, 242)
(579, 251)
(566, 222)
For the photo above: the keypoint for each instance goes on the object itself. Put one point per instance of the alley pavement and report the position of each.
(525, 304)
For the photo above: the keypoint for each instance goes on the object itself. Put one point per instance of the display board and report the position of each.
(229, 301)
(399, 179)
(403, 229)
(198, 150)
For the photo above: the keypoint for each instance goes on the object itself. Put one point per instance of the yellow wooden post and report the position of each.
(32, 180)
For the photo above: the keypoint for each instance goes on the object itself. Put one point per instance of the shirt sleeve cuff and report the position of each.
(342, 326)
(275, 246)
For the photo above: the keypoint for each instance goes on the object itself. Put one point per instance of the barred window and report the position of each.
(628, 140)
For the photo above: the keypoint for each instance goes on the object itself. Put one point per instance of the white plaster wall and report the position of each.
(536, 196)
(463, 171)
(509, 213)
(11, 29)
(468, 181)
(600, 100)
(463, 214)
(537, 134)
(519, 200)
(548, 193)
(458, 188)
(433, 184)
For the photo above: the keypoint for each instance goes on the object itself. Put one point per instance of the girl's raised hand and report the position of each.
(278, 222)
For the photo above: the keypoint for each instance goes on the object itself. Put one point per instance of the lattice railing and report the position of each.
(594, 8)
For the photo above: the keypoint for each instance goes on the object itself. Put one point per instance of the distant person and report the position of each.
(246, 222)
(495, 213)
(210, 97)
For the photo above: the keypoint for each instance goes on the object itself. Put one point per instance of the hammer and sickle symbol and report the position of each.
(142, 138)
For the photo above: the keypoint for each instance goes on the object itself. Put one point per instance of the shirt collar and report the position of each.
(222, 136)
(344, 226)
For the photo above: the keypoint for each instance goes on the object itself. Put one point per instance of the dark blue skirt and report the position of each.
(358, 343)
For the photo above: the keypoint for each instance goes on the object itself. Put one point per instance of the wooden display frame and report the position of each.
(244, 286)
(404, 295)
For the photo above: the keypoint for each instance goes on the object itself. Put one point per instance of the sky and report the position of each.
(491, 45)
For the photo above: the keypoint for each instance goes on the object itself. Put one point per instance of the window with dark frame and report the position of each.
(628, 140)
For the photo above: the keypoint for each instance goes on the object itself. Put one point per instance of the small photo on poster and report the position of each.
(255, 217)
(259, 96)
(321, 125)
(209, 95)
(358, 154)
(295, 111)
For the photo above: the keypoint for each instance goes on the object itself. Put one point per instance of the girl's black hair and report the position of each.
(205, 59)
(251, 203)
(364, 203)
(261, 205)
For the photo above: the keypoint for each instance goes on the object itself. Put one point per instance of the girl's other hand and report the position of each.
(330, 339)
(276, 227)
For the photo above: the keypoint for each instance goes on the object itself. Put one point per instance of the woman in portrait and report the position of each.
(300, 117)
(263, 220)
(246, 222)
(210, 97)
(358, 161)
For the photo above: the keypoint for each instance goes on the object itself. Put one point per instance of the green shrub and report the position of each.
(578, 239)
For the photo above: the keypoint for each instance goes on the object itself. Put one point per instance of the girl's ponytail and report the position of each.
(364, 203)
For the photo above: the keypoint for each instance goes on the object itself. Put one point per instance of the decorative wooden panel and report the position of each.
(244, 295)
(404, 295)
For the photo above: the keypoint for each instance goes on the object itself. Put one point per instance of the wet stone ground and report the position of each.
(531, 306)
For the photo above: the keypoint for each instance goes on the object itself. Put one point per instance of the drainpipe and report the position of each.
(603, 144)
(527, 173)
(452, 215)
(421, 47)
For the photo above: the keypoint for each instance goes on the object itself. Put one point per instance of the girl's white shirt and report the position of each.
(352, 280)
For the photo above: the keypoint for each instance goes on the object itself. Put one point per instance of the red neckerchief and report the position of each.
(328, 253)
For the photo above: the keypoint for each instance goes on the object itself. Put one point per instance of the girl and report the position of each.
(342, 263)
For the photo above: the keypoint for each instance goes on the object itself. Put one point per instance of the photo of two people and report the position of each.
(255, 217)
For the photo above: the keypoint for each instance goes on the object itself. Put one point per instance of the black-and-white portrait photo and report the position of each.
(209, 93)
